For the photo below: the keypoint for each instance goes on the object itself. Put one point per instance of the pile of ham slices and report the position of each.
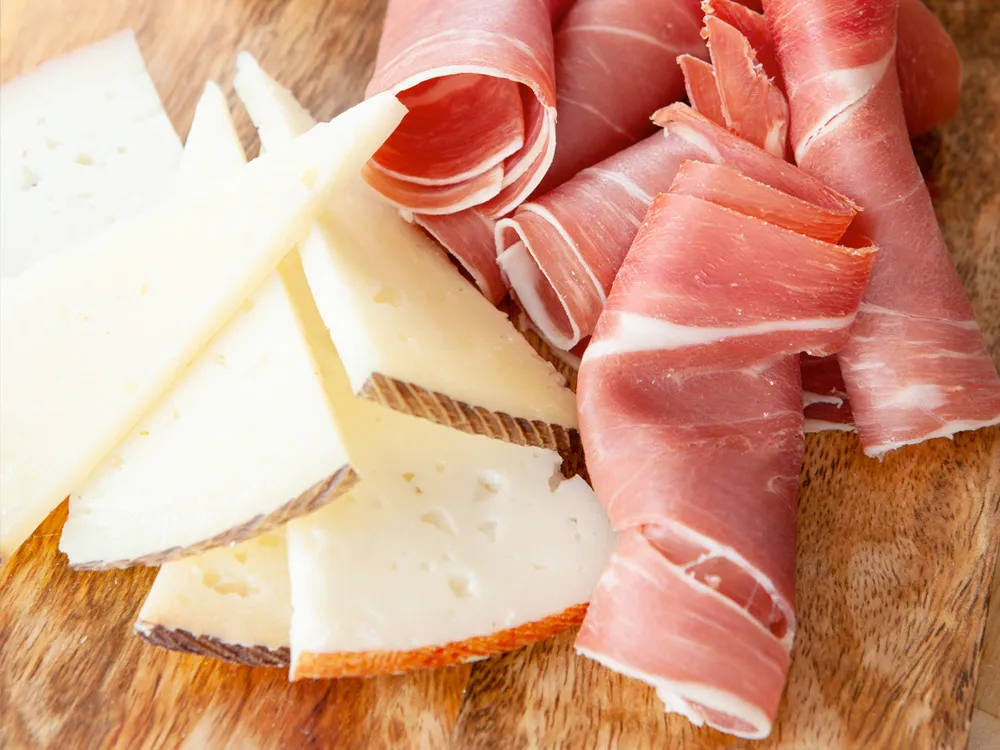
(724, 275)
(346, 458)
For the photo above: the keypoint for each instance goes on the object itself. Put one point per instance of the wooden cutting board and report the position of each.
(895, 558)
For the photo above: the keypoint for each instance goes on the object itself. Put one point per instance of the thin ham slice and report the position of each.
(690, 404)
(562, 250)
(479, 82)
(929, 66)
(752, 105)
(916, 366)
(702, 87)
(824, 396)
(614, 66)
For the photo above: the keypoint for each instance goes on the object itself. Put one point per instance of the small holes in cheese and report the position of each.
(308, 178)
(386, 295)
(462, 586)
(488, 486)
(440, 519)
(489, 530)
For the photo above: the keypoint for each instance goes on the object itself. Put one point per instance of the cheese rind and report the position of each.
(84, 142)
(233, 595)
(396, 307)
(242, 435)
(93, 336)
(448, 537)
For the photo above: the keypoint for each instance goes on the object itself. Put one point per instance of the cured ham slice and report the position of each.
(930, 69)
(929, 66)
(916, 366)
(752, 105)
(562, 250)
(479, 83)
(824, 396)
(691, 416)
(614, 66)
(702, 87)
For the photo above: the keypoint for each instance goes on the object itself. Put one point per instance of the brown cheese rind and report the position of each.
(370, 663)
(312, 499)
(203, 645)
(437, 407)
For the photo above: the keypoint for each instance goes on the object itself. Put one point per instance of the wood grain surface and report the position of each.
(895, 558)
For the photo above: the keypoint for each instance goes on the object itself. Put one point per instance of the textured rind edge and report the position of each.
(314, 498)
(369, 663)
(443, 410)
(203, 645)
(542, 347)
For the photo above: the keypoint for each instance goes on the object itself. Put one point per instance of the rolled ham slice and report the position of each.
(562, 250)
(478, 80)
(614, 67)
(916, 366)
(690, 404)
(929, 66)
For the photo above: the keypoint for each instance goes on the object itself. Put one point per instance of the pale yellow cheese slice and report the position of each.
(244, 440)
(411, 331)
(93, 336)
(453, 547)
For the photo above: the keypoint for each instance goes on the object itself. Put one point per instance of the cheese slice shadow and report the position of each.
(91, 338)
(412, 333)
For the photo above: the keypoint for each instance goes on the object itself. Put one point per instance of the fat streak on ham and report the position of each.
(614, 66)
(479, 83)
(690, 404)
(916, 366)
(562, 250)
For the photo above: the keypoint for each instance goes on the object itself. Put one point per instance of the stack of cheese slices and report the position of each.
(260, 377)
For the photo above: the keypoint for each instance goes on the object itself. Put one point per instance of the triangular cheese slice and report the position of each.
(243, 441)
(84, 142)
(230, 602)
(91, 337)
(412, 333)
(452, 547)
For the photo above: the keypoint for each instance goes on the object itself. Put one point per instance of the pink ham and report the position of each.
(561, 251)
(824, 395)
(929, 67)
(752, 104)
(479, 82)
(916, 366)
(614, 66)
(702, 87)
(690, 404)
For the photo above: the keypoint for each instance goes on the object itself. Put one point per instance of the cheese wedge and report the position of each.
(230, 602)
(243, 441)
(84, 142)
(93, 336)
(412, 333)
(453, 547)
